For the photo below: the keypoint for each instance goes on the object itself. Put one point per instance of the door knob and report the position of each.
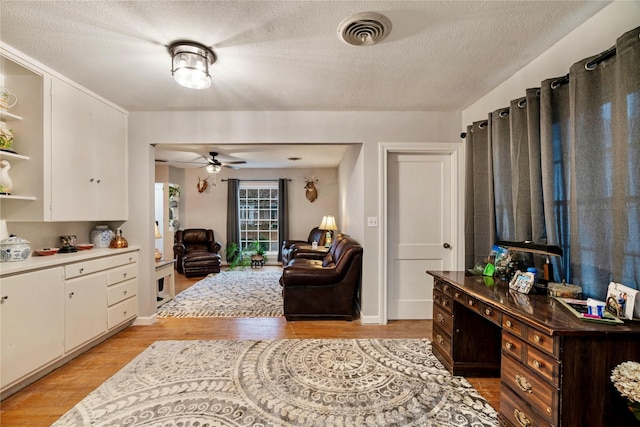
(446, 246)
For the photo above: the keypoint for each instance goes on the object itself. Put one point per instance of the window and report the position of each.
(258, 215)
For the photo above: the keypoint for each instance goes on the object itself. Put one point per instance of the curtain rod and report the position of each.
(259, 180)
(602, 57)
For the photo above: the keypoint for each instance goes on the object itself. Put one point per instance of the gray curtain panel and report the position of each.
(283, 213)
(564, 164)
(233, 222)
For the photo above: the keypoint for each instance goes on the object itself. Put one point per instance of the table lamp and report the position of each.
(329, 224)
(158, 254)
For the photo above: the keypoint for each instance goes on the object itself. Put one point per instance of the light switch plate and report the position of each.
(372, 221)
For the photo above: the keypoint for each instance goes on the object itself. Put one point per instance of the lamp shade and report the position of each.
(328, 223)
(158, 235)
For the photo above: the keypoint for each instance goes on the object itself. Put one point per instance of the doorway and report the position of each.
(421, 230)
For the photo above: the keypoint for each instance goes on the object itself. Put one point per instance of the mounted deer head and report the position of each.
(310, 186)
(202, 184)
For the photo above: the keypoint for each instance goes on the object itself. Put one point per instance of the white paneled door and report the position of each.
(419, 228)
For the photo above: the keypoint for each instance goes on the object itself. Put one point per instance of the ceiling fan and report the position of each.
(211, 162)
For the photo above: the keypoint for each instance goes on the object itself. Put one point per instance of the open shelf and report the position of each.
(12, 197)
(8, 155)
(4, 114)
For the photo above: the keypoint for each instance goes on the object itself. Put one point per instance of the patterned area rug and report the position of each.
(238, 293)
(284, 383)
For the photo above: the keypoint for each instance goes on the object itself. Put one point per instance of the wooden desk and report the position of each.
(164, 270)
(554, 368)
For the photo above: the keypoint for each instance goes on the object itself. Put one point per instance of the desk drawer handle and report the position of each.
(446, 288)
(125, 292)
(440, 339)
(537, 364)
(445, 303)
(523, 384)
(471, 302)
(508, 346)
(457, 294)
(521, 418)
(537, 338)
(508, 323)
(488, 312)
(441, 318)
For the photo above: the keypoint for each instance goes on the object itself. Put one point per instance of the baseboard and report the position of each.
(146, 320)
(370, 320)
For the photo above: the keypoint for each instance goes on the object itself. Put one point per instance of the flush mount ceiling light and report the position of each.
(190, 64)
(364, 29)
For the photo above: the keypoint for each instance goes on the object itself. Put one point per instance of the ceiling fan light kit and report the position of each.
(190, 62)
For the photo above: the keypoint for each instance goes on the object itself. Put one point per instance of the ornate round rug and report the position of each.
(284, 383)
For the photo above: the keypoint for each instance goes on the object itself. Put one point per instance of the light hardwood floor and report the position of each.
(44, 401)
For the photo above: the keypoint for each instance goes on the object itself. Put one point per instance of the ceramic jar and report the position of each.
(14, 249)
(101, 236)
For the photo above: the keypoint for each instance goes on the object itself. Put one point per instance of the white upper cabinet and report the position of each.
(88, 152)
(71, 162)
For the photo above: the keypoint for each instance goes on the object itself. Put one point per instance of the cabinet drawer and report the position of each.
(542, 341)
(91, 266)
(491, 314)
(443, 319)
(513, 346)
(517, 412)
(120, 274)
(122, 312)
(512, 325)
(543, 364)
(442, 342)
(122, 291)
(540, 395)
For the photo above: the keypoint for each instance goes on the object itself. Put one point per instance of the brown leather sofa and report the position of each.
(196, 252)
(290, 248)
(327, 288)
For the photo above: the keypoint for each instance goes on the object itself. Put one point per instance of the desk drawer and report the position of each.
(543, 364)
(542, 341)
(512, 325)
(121, 274)
(443, 319)
(442, 342)
(513, 346)
(443, 301)
(491, 314)
(517, 412)
(540, 395)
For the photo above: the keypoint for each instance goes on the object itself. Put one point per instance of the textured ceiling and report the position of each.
(286, 55)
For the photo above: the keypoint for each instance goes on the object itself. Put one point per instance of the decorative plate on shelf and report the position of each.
(84, 246)
(47, 251)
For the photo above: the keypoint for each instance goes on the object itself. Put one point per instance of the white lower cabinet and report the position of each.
(49, 314)
(31, 322)
(85, 314)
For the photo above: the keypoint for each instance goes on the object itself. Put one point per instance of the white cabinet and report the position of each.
(73, 146)
(53, 308)
(31, 322)
(85, 309)
(88, 158)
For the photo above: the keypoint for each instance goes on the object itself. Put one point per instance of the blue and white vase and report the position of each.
(101, 237)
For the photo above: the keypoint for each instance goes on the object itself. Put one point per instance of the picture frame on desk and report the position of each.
(623, 301)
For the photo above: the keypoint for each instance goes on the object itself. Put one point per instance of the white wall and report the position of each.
(358, 182)
(594, 36)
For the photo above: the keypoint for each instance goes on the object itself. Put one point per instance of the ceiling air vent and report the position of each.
(364, 29)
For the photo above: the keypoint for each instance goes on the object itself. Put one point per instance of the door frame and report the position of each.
(456, 151)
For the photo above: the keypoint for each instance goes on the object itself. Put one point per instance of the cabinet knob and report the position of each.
(537, 364)
(98, 181)
(457, 294)
(439, 339)
(90, 179)
(446, 246)
(440, 318)
(508, 345)
(124, 312)
(487, 312)
(537, 338)
(5, 297)
(81, 270)
(71, 294)
(125, 292)
(521, 418)
(471, 302)
(508, 323)
(124, 275)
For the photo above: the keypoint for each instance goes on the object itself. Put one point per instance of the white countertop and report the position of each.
(37, 262)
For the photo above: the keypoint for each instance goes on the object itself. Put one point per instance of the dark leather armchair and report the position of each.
(291, 247)
(196, 252)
